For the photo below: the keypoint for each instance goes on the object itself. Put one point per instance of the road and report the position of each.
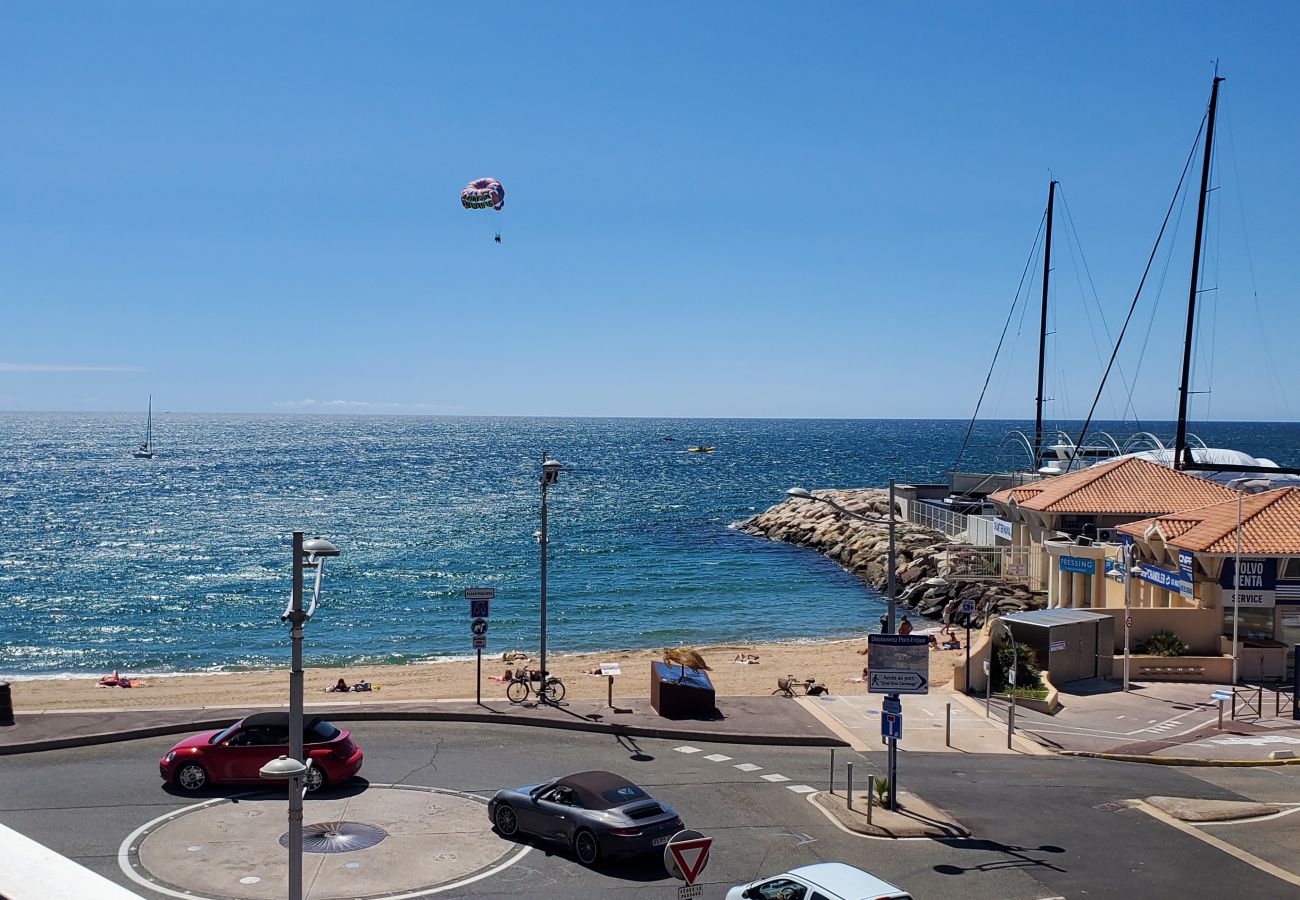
(1043, 826)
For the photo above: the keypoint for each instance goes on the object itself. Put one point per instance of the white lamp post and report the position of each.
(292, 768)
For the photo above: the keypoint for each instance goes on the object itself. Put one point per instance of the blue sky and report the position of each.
(714, 209)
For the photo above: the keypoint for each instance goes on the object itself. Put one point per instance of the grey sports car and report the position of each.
(598, 814)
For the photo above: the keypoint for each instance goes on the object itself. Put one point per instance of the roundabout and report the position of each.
(386, 841)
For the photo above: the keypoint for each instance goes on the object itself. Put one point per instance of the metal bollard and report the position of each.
(832, 771)
(871, 792)
(1220, 715)
(849, 787)
(1011, 721)
(947, 728)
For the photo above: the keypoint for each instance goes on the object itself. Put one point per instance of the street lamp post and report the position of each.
(1128, 605)
(550, 474)
(1011, 681)
(293, 768)
(1251, 484)
(891, 700)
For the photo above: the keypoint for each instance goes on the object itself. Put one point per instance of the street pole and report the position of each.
(1236, 592)
(891, 588)
(542, 692)
(968, 615)
(296, 619)
(1128, 605)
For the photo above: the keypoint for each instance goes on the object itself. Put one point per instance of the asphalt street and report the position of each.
(1043, 827)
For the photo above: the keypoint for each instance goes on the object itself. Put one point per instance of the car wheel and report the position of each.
(315, 779)
(586, 847)
(191, 777)
(506, 821)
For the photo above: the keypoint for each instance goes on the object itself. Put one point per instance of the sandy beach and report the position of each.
(831, 662)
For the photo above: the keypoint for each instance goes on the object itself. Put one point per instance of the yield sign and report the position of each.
(688, 857)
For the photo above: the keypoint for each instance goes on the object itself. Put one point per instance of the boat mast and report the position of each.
(1042, 330)
(148, 427)
(1182, 453)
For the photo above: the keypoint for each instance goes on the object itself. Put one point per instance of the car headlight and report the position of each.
(171, 754)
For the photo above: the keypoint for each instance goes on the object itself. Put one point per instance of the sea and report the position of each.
(182, 563)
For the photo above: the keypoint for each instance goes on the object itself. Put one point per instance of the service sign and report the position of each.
(1083, 565)
(1002, 529)
(1258, 585)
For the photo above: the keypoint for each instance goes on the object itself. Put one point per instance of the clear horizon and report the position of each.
(721, 212)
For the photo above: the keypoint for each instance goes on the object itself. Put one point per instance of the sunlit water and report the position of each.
(182, 563)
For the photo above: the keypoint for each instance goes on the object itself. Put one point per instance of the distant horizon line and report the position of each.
(336, 414)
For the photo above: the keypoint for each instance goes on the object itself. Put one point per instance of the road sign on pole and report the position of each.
(479, 641)
(478, 627)
(968, 607)
(891, 725)
(898, 664)
(686, 855)
(478, 609)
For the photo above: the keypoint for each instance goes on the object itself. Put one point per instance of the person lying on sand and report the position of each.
(747, 659)
(341, 687)
(116, 680)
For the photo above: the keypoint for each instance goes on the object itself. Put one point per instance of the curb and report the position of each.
(179, 727)
(1178, 760)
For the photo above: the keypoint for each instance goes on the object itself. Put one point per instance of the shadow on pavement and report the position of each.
(636, 868)
(240, 793)
(1019, 858)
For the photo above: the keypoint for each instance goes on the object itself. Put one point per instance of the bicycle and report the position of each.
(788, 685)
(521, 686)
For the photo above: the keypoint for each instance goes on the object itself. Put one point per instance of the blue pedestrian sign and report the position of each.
(891, 726)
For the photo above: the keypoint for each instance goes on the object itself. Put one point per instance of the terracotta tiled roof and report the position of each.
(1129, 486)
(1270, 525)
(1018, 494)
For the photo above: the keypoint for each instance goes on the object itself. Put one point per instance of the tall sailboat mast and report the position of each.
(148, 426)
(1182, 453)
(1042, 329)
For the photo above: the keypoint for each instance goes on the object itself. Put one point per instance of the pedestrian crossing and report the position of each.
(749, 768)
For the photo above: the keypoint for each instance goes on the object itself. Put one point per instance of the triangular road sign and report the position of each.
(691, 857)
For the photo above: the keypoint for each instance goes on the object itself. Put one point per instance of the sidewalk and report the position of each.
(1159, 722)
(743, 720)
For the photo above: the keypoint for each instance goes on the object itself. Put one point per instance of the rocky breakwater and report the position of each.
(863, 549)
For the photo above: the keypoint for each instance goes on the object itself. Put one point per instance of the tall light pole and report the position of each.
(1251, 485)
(1129, 573)
(294, 769)
(550, 475)
(892, 701)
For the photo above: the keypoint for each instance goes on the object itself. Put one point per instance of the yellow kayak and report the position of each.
(699, 449)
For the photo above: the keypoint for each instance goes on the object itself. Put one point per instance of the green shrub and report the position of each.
(882, 790)
(1164, 643)
(1028, 672)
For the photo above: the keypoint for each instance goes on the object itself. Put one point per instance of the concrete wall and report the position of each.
(1199, 628)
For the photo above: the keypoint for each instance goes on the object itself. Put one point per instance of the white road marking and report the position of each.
(717, 757)
(774, 778)
(747, 767)
(801, 788)
(687, 749)
(1231, 849)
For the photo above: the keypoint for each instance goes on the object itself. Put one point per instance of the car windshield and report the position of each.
(223, 735)
(625, 794)
(319, 731)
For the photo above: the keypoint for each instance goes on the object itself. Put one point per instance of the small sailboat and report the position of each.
(145, 450)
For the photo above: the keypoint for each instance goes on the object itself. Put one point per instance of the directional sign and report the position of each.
(686, 855)
(479, 642)
(891, 726)
(478, 609)
(897, 681)
(478, 627)
(480, 593)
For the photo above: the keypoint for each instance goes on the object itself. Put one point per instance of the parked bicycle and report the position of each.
(529, 683)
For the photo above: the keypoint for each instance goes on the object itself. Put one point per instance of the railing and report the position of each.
(937, 518)
(1019, 565)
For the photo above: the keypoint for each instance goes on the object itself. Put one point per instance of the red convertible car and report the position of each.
(236, 753)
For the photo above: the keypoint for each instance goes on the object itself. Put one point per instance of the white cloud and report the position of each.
(40, 368)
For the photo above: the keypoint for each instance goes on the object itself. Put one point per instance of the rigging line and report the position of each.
(1160, 291)
(1015, 300)
(1203, 340)
(1020, 328)
(1096, 299)
(1138, 293)
(1278, 391)
(1092, 331)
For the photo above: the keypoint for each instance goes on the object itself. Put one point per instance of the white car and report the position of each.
(823, 881)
